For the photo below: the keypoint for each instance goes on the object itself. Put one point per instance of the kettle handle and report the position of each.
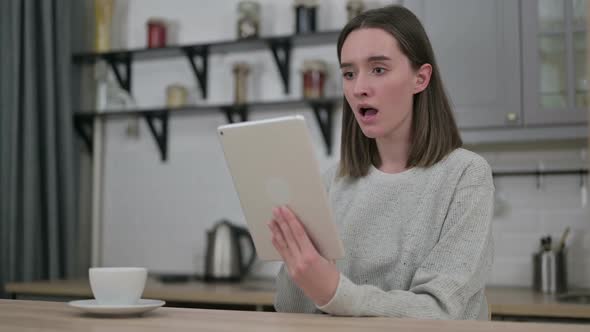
(243, 232)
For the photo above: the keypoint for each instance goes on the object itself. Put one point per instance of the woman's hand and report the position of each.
(316, 276)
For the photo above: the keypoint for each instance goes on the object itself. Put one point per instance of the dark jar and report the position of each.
(156, 33)
(305, 16)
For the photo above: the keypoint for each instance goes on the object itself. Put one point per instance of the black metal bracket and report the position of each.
(84, 126)
(237, 110)
(324, 114)
(161, 136)
(281, 51)
(121, 59)
(200, 71)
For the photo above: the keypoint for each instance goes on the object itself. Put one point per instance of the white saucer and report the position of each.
(92, 307)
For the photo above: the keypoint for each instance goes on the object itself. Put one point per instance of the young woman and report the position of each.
(413, 208)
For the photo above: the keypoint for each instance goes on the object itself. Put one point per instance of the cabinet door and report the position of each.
(555, 87)
(477, 46)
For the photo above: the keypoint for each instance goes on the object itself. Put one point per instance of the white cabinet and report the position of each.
(555, 90)
(477, 46)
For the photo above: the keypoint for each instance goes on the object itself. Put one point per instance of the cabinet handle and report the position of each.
(511, 117)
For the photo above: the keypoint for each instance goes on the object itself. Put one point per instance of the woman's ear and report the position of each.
(423, 77)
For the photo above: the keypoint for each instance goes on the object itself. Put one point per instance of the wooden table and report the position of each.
(259, 294)
(57, 316)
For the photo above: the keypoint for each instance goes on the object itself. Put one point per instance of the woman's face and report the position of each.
(379, 83)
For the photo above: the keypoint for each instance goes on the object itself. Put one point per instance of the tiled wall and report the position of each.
(527, 209)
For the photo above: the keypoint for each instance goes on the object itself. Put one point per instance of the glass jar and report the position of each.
(248, 19)
(156, 33)
(305, 16)
(241, 71)
(314, 78)
(354, 8)
(176, 95)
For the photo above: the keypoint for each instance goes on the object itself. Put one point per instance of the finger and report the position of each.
(299, 232)
(277, 235)
(278, 241)
(287, 233)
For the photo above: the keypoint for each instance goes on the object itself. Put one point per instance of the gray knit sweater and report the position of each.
(418, 243)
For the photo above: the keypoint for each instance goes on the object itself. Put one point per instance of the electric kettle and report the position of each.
(225, 259)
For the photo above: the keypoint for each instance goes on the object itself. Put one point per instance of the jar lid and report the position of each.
(315, 65)
(176, 86)
(355, 4)
(305, 3)
(241, 66)
(248, 5)
(156, 20)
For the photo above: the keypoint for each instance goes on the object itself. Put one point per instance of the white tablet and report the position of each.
(272, 163)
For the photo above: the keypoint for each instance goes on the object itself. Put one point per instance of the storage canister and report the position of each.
(314, 78)
(354, 8)
(305, 16)
(156, 33)
(176, 95)
(241, 71)
(248, 19)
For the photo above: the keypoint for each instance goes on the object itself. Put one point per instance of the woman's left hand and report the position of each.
(316, 276)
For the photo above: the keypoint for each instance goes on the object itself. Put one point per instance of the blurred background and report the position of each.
(109, 110)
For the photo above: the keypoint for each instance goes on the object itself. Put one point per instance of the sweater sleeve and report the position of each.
(451, 274)
(289, 297)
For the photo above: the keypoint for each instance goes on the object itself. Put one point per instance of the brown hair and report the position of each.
(434, 131)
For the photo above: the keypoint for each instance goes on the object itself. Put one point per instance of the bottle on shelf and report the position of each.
(241, 71)
(103, 17)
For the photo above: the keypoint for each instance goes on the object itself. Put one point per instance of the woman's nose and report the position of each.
(361, 86)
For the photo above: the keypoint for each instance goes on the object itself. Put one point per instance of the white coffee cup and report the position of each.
(117, 285)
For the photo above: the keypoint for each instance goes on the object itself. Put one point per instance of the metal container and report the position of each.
(550, 271)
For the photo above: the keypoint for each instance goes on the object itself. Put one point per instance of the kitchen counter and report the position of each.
(503, 301)
(251, 292)
(524, 302)
(56, 316)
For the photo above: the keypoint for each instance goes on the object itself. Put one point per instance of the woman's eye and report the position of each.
(379, 70)
(348, 75)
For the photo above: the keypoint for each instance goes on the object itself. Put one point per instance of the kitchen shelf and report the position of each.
(540, 173)
(198, 54)
(323, 109)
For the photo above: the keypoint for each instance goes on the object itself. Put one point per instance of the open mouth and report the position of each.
(368, 111)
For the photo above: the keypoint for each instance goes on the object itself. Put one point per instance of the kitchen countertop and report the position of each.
(57, 316)
(503, 301)
(510, 301)
(250, 292)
